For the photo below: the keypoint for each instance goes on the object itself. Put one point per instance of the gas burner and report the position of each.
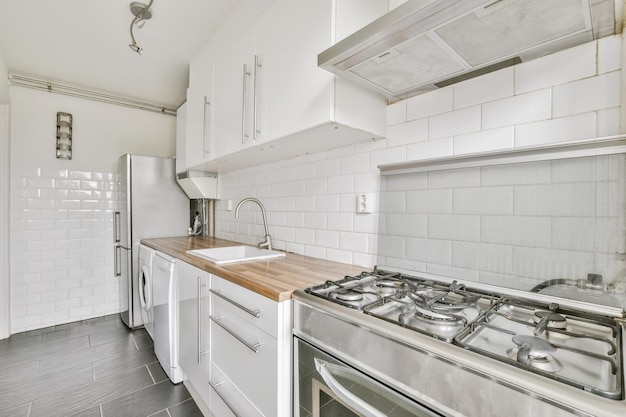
(431, 315)
(548, 320)
(536, 352)
(347, 295)
(446, 299)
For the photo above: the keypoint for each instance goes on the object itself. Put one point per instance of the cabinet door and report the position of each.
(294, 93)
(181, 138)
(246, 355)
(193, 307)
(233, 91)
(199, 142)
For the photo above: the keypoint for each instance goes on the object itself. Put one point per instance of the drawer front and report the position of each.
(248, 356)
(226, 400)
(249, 306)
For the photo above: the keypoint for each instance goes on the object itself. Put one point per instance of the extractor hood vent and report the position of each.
(424, 44)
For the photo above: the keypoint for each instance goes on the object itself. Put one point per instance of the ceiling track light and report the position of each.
(142, 13)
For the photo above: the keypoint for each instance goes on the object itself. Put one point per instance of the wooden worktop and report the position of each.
(273, 278)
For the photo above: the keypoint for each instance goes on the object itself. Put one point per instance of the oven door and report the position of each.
(326, 387)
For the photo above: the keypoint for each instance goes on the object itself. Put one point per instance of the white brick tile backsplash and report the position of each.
(525, 173)
(540, 263)
(484, 200)
(429, 250)
(327, 238)
(458, 122)
(341, 184)
(516, 230)
(596, 93)
(429, 104)
(482, 256)
(608, 122)
(355, 163)
(454, 227)
(66, 228)
(609, 54)
(523, 108)
(340, 221)
(396, 113)
(559, 68)
(407, 133)
(454, 178)
(489, 87)
(486, 140)
(400, 224)
(353, 242)
(430, 149)
(582, 126)
(568, 199)
(429, 201)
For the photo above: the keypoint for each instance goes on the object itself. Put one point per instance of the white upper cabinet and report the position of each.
(268, 98)
(199, 127)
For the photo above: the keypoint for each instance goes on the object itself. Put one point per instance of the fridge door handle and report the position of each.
(116, 260)
(116, 227)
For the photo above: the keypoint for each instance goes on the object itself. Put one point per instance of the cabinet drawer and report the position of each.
(248, 356)
(249, 306)
(226, 399)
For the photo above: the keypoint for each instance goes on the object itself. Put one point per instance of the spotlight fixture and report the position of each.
(142, 13)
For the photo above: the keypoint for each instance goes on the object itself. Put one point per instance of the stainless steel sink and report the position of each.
(231, 254)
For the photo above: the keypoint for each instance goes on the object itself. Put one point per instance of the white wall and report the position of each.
(311, 200)
(61, 210)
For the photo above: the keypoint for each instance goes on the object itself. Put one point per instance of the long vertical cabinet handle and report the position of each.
(243, 110)
(116, 260)
(205, 150)
(255, 130)
(200, 351)
(116, 227)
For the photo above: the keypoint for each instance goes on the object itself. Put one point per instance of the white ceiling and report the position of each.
(85, 42)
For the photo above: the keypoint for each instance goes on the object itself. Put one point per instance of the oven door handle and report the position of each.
(354, 402)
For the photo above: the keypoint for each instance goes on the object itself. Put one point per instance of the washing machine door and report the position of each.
(145, 297)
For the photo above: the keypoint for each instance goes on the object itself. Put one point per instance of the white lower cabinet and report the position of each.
(251, 348)
(235, 346)
(194, 327)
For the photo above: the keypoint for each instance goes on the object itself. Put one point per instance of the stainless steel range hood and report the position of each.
(426, 44)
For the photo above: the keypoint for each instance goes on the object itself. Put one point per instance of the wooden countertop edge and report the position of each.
(275, 279)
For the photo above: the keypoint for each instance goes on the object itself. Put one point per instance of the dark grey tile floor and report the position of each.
(92, 368)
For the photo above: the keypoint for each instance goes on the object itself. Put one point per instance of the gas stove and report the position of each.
(564, 347)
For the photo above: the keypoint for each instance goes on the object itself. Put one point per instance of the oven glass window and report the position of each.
(326, 387)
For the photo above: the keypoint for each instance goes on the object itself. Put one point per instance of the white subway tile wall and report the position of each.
(61, 247)
(574, 94)
(556, 224)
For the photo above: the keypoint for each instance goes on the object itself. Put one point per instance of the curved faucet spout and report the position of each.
(267, 243)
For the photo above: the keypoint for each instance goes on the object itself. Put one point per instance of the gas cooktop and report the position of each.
(578, 348)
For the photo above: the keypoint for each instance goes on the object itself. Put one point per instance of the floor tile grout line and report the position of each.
(150, 373)
(134, 342)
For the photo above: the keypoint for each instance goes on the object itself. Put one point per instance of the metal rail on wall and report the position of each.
(82, 92)
(607, 145)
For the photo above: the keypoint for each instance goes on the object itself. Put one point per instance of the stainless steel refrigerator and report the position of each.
(150, 204)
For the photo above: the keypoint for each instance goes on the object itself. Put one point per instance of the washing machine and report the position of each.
(146, 256)
(165, 314)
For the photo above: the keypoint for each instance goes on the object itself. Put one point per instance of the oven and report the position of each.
(327, 386)
(436, 347)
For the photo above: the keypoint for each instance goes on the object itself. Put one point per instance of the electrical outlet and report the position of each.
(365, 203)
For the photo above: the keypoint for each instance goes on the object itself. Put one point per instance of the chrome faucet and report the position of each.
(267, 243)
